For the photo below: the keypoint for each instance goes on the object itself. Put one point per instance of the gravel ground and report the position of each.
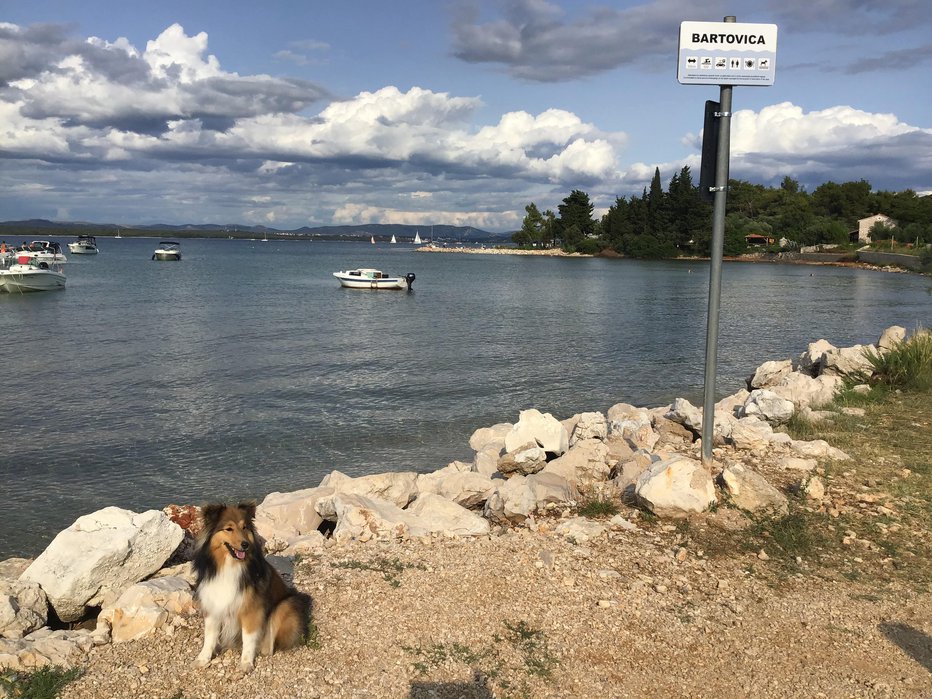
(526, 613)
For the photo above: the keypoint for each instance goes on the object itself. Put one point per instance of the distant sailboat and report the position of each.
(372, 239)
(417, 238)
(393, 240)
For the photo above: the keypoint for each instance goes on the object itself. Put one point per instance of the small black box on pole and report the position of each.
(710, 130)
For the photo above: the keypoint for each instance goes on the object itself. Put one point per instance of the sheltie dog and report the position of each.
(239, 593)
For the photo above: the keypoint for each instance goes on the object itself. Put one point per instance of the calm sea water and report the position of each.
(246, 369)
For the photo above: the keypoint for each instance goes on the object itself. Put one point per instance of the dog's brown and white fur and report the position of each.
(240, 594)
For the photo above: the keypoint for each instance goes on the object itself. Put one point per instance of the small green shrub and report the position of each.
(907, 366)
(599, 507)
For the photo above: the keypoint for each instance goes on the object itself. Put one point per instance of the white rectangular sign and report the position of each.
(727, 53)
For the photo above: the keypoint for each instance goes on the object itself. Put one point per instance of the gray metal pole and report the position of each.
(715, 274)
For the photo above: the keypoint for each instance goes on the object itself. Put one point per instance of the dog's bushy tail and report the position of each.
(288, 623)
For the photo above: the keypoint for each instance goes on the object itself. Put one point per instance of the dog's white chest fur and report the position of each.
(222, 595)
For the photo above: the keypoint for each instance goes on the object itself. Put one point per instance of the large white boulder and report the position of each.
(675, 487)
(287, 516)
(468, 489)
(490, 437)
(770, 373)
(520, 496)
(439, 515)
(398, 488)
(592, 425)
(584, 464)
(848, 362)
(768, 406)
(362, 518)
(632, 424)
(543, 428)
(807, 392)
(91, 562)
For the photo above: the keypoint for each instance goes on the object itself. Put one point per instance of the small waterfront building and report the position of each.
(864, 227)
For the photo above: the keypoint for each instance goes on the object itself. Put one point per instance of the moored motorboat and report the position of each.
(167, 250)
(30, 274)
(44, 251)
(84, 245)
(367, 278)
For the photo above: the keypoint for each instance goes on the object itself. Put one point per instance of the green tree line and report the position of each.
(678, 221)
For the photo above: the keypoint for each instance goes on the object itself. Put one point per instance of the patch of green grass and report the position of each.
(533, 646)
(599, 507)
(495, 661)
(389, 568)
(44, 683)
(312, 637)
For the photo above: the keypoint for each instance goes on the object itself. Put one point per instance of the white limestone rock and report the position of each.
(287, 516)
(810, 361)
(398, 488)
(524, 460)
(490, 438)
(363, 518)
(751, 492)
(542, 428)
(890, 338)
(580, 529)
(770, 373)
(468, 489)
(768, 406)
(23, 608)
(91, 562)
(517, 498)
(848, 362)
(147, 606)
(592, 425)
(585, 463)
(442, 516)
(676, 487)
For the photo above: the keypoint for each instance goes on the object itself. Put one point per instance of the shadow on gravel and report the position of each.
(916, 644)
(478, 689)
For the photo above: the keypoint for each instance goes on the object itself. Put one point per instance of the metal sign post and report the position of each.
(715, 274)
(724, 54)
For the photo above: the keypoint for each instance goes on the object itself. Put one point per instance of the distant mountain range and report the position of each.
(37, 228)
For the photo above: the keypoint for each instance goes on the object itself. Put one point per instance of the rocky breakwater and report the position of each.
(115, 576)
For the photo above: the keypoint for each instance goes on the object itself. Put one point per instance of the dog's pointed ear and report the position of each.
(210, 514)
(249, 509)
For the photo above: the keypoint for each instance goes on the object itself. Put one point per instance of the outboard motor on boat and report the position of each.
(409, 279)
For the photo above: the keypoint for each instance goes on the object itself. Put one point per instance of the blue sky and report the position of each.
(294, 114)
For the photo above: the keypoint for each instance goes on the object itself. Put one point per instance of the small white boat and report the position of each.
(393, 241)
(30, 274)
(366, 278)
(43, 251)
(84, 245)
(167, 250)
(372, 239)
(417, 238)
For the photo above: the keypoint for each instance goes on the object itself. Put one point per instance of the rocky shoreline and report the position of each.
(762, 258)
(484, 579)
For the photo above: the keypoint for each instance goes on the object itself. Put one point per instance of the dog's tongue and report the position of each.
(239, 554)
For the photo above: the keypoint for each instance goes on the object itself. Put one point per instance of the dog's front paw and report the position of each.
(201, 661)
(247, 666)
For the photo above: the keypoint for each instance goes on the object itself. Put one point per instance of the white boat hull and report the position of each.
(16, 280)
(167, 255)
(372, 279)
(78, 249)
